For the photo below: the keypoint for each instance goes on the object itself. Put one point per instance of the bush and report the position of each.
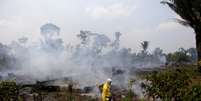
(130, 94)
(194, 94)
(168, 84)
(8, 91)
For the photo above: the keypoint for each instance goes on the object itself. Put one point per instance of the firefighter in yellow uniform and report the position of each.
(106, 94)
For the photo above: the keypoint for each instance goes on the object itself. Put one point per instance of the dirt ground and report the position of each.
(29, 94)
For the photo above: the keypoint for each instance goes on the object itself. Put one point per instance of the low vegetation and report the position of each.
(175, 83)
(8, 91)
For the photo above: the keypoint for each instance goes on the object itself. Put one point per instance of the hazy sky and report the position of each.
(137, 20)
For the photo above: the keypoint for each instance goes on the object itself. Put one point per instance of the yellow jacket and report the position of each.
(106, 91)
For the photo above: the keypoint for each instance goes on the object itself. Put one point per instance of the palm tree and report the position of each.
(190, 12)
(144, 46)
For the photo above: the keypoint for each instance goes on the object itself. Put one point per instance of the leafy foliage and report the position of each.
(173, 84)
(8, 91)
(168, 84)
(194, 94)
(193, 54)
(180, 56)
(129, 97)
(130, 94)
(189, 11)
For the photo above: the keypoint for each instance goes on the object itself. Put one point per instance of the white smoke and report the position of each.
(92, 61)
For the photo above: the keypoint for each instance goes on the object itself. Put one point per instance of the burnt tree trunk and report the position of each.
(198, 47)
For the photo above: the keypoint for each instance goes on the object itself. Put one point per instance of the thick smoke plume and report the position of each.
(95, 59)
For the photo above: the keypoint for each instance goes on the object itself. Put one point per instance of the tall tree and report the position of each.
(190, 12)
(144, 46)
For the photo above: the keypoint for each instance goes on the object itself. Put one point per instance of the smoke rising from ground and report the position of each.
(95, 59)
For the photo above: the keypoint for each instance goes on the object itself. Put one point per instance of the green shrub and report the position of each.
(130, 94)
(168, 84)
(194, 94)
(8, 91)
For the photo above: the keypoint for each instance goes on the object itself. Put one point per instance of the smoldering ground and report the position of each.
(88, 63)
